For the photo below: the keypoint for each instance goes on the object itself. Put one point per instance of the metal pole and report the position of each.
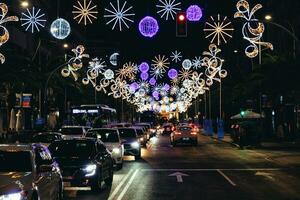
(122, 117)
(209, 104)
(220, 99)
(205, 105)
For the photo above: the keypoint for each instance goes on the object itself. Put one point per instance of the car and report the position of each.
(27, 171)
(46, 138)
(73, 131)
(84, 162)
(151, 132)
(184, 134)
(121, 125)
(111, 138)
(142, 135)
(131, 142)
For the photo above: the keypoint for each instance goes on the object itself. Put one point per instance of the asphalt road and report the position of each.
(212, 171)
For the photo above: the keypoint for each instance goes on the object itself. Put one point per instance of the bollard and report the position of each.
(220, 129)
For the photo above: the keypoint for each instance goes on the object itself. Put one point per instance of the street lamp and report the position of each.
(24, 4)
(66, 46)
(268, 17)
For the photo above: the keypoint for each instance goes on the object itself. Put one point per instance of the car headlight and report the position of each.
(14, 196)
(141, 139)
(135, 145)
(116, 151)
(90, 170)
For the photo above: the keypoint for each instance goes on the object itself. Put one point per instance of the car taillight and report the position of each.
(177, 133)
(173, 128)
(194, 133)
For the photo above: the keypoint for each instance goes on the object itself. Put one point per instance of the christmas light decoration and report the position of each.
(129, 71)
(160, 63)
(75, 63)
(33, 19)
(172, 73)
(144, 67)
(250, 33)
(194, 13)
(168, 8)
(218, 29)
(96, 67)
(86, 12)
(4, 34)
(187, 64)
(152, 81)
(148, 26)
(109, 74)
(144, 76)
(184, 74)
(113, 59)
(176, 56)
(197, 63)
(119, 14)
(60, 29)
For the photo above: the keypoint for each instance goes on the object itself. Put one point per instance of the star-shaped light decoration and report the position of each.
(33, 19)
(168, 8)
(176, 56)
(129, 70)
(119, 15)
(85, 13)
(218, 29)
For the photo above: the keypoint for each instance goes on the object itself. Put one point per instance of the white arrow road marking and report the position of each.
(265, 174)
(179, 176)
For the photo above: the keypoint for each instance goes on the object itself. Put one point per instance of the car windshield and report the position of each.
(72, 148)
(184, 128)
(139, 131)
(105, 135)
(10, 161)
(48, 138)
(72, 131)
(127, 133)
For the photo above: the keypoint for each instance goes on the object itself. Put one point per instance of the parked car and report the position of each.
(142, 135)
(184, 134)
(112, 140)
(131, 142)
(46, 138)
(73, 131)
(84, 162)
(29, 172)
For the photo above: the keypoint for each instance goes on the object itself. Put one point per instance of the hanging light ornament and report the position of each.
(187, 64)
(119, 14)
(96, 67)
(4, 34)
(60, 29)
(172, 73)
(197, 63)
(160, 63)
(176, 56)
(168, 8)
(218, 29)
(148, 26)
(250, 33)
(75, 63)
(33, 19)
(129, 70)
(194, 13)
(85, 13)
(144, 67)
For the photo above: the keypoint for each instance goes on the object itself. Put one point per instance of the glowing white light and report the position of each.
(33, 19)
(168, 8)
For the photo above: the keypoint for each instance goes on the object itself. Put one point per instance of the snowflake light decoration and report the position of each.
(85, 13)
(4, 34)
(129, 70)
(185, 74)
(197, 63)
(96, 67)
(176, 56)
(168, 8)
(160, 63)
(33, 19)
(119, 14)
(75, 63)
(218, 29)
(250, 33)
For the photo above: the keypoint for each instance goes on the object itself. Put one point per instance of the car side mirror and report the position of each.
(45, 168)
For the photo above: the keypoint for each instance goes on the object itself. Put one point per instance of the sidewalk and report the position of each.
(282, 146)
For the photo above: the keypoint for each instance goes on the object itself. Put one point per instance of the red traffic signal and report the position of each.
(181, 24)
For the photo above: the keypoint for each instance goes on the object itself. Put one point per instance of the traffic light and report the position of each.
(181, 24)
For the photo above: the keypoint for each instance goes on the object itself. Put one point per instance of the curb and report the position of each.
(228, 142)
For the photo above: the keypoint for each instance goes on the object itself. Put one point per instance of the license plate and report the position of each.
(167, 129)
(186, 138)
(67, 184)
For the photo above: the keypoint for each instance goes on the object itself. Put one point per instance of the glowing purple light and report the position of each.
(172, 73)
(152, 81)
(155, 95)
(144, 67)
(148, 26)
(167, 87)
(134, 86)
(194, 13)
(144, 76)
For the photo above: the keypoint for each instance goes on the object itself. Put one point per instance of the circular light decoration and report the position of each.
(194, 13)
(187, 64)
(133, 86)
(109, 74)
(113, 59)
(60, 29)
(172, 73)
(148, 26)
(144, 76)
(144, 67)
(155, 95)
(152, 81)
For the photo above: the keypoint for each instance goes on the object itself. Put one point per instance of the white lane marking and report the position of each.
(265, 174)
(209, 170)
(116, 190)
(128, 185)
(226, 177)
(179, 176)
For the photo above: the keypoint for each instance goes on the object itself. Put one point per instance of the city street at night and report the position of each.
(213, 170)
